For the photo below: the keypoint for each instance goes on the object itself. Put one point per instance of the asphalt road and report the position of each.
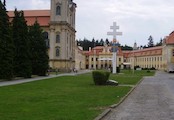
(153, 99)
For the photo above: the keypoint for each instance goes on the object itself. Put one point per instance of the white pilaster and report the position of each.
(63, 44)
(52, 43)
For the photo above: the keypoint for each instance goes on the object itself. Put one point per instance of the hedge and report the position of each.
(100, 77)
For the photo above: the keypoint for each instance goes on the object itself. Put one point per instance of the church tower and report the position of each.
(62, 34)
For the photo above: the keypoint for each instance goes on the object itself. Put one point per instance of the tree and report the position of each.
(6, 45)
(39, 57)
(107, 41)
(101, 42)
(93, 43)
(125, 47)
(150, 41)
(97, 43)
(22, 63)
(160, 42)
(86, 44)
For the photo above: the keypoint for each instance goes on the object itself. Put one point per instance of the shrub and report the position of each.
(153, 68)
(107, 74)
(100, 77)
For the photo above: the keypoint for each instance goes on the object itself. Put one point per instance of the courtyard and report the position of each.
(64, 98)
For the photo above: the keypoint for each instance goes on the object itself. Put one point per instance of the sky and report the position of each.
(137, 19)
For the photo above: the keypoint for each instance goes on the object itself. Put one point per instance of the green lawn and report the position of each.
(62, 98)
(127, 77)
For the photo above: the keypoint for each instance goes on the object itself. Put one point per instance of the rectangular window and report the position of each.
(57, 38)
(57, 52)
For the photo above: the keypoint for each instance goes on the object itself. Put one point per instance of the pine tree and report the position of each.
(150, 43)
(39, 55)
(160, 42)
(107, 41)
(6, 45)
(101, 42)
(22, 63)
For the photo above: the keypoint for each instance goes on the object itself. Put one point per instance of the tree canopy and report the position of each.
(6, 45)
(39, 57)
(150, 41)
(22, 62)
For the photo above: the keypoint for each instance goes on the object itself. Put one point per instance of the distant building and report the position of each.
(79, 58)
(58, 26)
(161, 57)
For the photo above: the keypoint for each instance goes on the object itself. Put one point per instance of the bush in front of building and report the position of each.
(100, 77)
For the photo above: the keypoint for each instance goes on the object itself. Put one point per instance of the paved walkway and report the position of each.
(153, 99)
(7, 83)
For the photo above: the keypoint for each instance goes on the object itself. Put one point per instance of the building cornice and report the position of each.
(62, 23)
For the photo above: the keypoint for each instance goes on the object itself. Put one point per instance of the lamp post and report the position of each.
(134, 48)
(94, 59)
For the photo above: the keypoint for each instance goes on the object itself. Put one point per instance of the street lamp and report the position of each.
(134, 48)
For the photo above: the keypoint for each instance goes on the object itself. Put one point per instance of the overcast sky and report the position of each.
(138, 19)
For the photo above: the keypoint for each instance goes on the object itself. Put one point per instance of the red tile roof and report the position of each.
(99, 49)
(32, 13)
(144, 52)
(170, 39)
(42, 16)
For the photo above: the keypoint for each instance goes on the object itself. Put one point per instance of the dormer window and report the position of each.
(58, 10)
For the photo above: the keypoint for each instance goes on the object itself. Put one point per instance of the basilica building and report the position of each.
(58, 26)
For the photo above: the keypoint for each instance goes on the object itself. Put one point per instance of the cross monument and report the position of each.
(115, 45)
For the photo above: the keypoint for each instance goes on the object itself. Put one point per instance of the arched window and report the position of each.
(57, 38)
(58, 10)
(45, 36)
(57, 52)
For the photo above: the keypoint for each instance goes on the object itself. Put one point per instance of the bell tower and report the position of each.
(62, 34)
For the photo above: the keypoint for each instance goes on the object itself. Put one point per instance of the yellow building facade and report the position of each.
(58, 26)
(160, 57)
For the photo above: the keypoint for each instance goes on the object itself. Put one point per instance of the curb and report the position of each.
(102, 115)
(106, 112)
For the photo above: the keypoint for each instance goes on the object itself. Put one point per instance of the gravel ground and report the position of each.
(153, 99)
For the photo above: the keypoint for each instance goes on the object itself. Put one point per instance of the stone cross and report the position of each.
(114, 33)
(114, 45)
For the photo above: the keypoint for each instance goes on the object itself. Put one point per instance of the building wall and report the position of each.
(147, 58)
(62, 26)
(168, 56)
(80, 59)
(101, 58)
